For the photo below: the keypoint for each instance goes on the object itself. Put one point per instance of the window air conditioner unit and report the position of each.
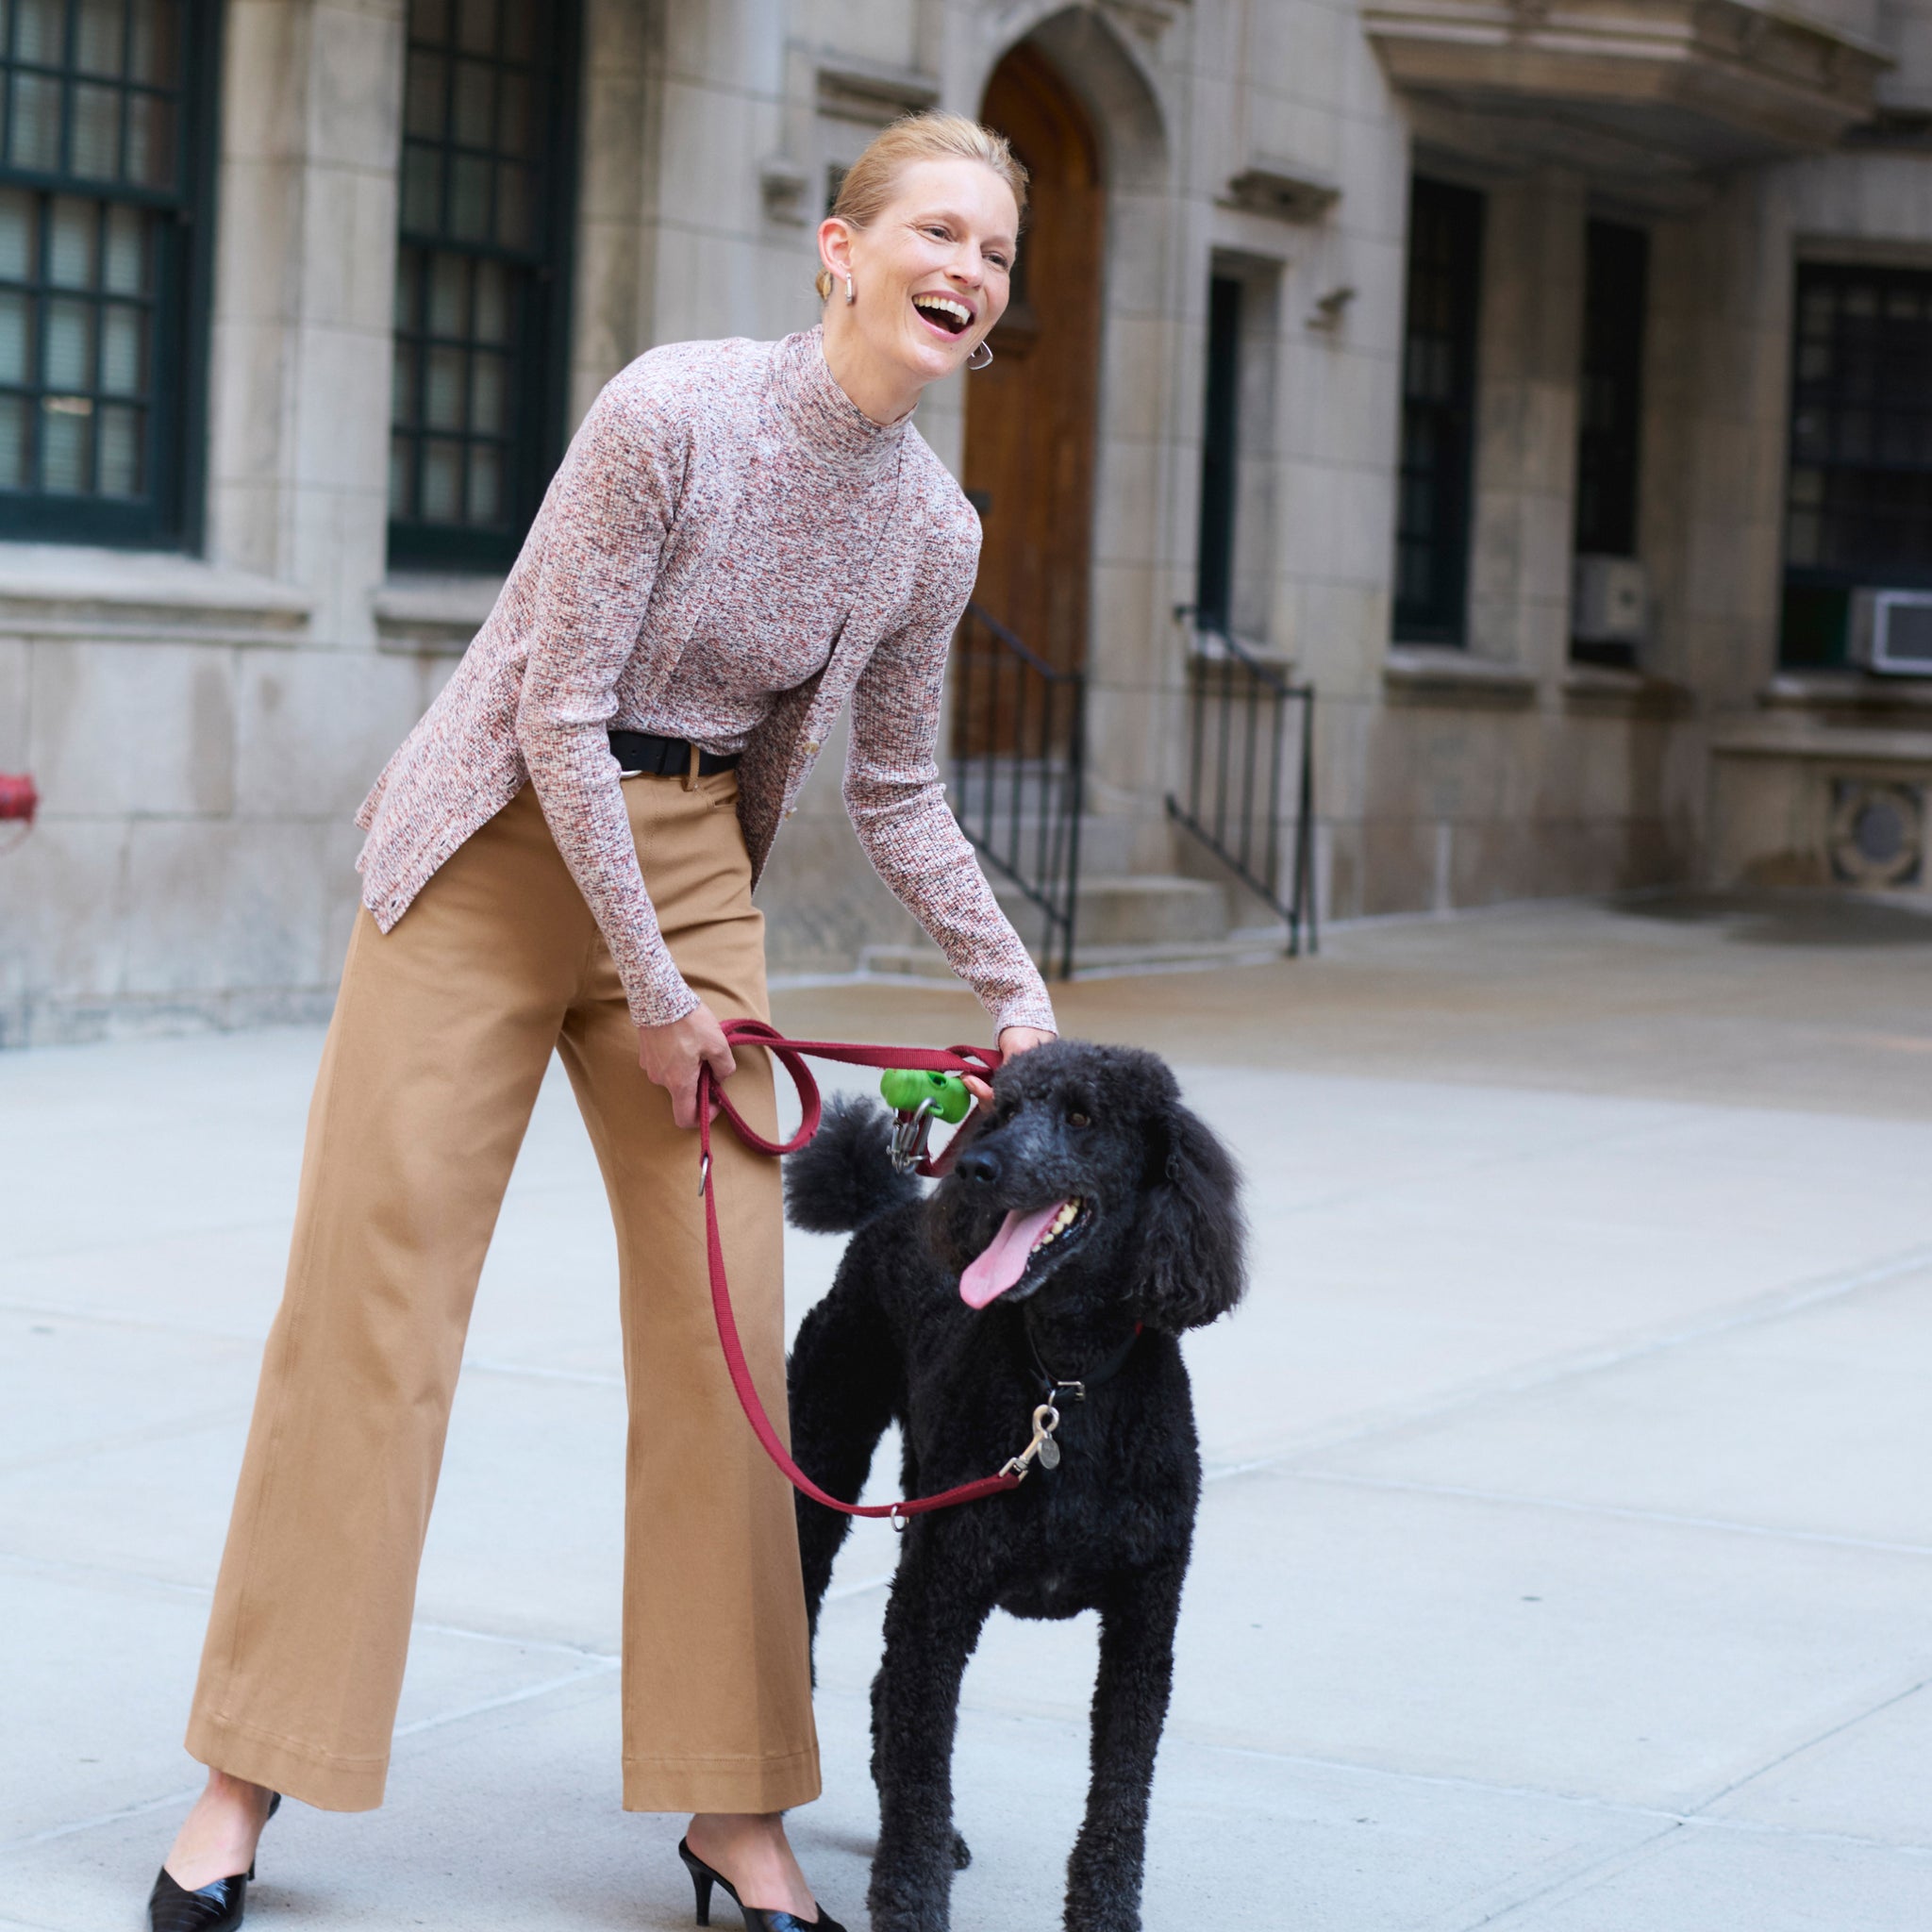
(1609, 599)
(1891, 631)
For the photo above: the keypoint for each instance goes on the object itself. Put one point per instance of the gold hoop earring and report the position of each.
(980, 357)
(850, 297)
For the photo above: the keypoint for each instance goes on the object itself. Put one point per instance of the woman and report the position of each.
(561, 856)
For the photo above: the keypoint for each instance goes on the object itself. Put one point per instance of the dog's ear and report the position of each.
(1194, 1236)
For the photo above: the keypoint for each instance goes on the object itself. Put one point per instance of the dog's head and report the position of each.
(1089, 1182)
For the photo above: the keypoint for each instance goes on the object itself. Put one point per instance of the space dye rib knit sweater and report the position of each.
(729, 551)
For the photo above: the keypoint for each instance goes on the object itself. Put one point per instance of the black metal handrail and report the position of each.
(1018, 759)
(1237, 758)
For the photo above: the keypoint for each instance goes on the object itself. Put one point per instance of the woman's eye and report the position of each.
(1079, 1119)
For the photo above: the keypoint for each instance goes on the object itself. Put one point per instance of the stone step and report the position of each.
(1132, 909)
(1246, 946)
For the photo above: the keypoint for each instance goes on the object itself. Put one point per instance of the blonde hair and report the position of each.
(873, 179)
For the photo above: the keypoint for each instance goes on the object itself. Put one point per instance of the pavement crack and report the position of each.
(1798, 1750)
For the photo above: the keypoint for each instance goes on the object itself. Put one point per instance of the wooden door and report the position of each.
(1031, 417)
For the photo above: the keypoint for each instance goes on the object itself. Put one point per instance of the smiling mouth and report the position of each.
(943, 313)
(1023, 1250)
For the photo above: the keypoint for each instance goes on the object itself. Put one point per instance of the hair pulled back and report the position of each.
(873, 179)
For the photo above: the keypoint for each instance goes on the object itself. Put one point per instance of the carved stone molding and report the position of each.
(1288, 190)
(874, 94)
(782, 183)
(1701, 82)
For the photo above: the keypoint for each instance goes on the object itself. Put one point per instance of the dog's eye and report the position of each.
(1077, 1119)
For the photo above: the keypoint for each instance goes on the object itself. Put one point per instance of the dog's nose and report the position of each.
(980, 1165)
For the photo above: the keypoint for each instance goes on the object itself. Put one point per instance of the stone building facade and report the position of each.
(1575, 367)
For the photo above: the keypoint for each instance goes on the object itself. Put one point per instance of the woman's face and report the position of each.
(931, 274)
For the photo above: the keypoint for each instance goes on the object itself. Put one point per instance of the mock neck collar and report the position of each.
(826, 419)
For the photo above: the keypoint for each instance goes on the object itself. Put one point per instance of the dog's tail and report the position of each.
(845, 1176)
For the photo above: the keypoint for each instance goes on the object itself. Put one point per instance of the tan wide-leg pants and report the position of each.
(441, 1037)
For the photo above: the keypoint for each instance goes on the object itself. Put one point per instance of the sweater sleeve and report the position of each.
(600, 534)
(898, 804)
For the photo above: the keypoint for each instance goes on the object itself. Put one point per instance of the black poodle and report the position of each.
(1087, 1221)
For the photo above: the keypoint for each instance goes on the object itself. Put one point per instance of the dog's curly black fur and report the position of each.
(1157, 1242)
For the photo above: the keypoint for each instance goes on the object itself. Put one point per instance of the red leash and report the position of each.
(979, 1062)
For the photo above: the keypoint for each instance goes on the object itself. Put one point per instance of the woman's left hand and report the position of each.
(1012, 1039)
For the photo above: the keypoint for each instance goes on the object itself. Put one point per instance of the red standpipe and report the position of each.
(18, 798)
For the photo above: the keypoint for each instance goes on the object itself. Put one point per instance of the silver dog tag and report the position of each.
(1049, 1454)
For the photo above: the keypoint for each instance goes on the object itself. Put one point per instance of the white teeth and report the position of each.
(945, 307)
(1070, 1212)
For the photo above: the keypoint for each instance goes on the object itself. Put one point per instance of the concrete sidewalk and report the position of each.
(1567, 1562)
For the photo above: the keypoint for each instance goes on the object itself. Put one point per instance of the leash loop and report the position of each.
(981, 1064)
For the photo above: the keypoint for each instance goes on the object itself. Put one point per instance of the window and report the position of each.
(1432, 514)
(103, 164)
(477, 407)
(1616, 266)
(1858, 501)
(1214, 569)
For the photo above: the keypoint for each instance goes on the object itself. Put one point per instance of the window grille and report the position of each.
(481, 274)
(1859, 495)
(1432, 515)
(103, 173)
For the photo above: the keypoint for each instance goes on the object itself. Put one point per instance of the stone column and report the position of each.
(312, 120)
(1528, 355)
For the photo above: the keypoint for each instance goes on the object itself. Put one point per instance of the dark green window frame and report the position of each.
(107, 147)
(1434, 496)
(1214, 553)
(1859, 489)
(482, 313)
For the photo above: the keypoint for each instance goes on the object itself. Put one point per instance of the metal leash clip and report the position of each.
(1046, 1419)
(917, 1100)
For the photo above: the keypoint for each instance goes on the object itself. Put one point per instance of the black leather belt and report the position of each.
(645, 752)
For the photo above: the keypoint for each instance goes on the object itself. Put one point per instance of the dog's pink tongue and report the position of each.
(1005, 1259)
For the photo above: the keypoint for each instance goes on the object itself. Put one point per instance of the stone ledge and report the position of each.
(1633, 693)
(70, 589)
(1441, 672)
(1774, 738)
(432, 613)
(1845, 691)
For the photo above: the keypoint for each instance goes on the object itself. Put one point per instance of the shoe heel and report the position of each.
(275, 1805)
(702, 1880)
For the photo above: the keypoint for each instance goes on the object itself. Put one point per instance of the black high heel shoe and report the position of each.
(212, 1907)
(755, 1918)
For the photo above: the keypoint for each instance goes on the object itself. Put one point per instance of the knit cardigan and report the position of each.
(620, 612)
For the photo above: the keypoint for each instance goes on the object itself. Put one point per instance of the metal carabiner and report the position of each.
(1046, 1419)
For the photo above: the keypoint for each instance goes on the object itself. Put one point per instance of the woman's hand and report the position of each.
(672, 1054)
(1012, 1039)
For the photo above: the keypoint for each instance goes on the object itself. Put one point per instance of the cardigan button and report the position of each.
(812, 747)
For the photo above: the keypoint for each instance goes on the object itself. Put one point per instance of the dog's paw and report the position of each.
(962, 1853)
(899, 1902)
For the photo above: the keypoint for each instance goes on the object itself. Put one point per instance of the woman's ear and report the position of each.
(835, 246)
(1194, 1236)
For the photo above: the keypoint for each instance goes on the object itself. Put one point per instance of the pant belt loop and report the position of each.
(690, 770)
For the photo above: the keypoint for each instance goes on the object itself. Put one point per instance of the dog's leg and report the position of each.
(930, 1632)
(1130, 1696)
(844, 1382)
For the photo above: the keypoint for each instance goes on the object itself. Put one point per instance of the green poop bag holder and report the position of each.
(917, 1099)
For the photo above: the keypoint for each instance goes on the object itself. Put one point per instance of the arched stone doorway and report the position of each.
(1031, 417)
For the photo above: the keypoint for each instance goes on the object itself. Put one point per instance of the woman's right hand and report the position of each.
(672, 1054)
